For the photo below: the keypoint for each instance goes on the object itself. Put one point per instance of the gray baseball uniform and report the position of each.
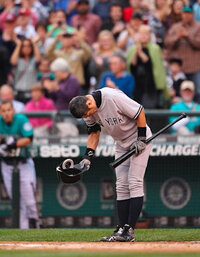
(117, 113)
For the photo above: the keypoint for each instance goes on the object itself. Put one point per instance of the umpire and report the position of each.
(123, 119)
(16, 132)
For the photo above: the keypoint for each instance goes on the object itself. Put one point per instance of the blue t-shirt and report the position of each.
(182, 106)
(126, 83)
(19, 127)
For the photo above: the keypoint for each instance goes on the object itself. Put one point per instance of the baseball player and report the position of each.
(16, 132)
(123, 119)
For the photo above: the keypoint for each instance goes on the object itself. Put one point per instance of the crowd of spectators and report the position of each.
(53, 50)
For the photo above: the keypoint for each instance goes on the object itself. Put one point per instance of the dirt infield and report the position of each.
(105, 247)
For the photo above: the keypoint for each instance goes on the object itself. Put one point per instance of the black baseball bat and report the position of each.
(128, 154)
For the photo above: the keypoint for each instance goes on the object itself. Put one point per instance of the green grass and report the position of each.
(63, 235)
(6, 253)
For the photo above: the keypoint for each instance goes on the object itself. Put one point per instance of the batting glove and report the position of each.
(140, 143)
(86, 162)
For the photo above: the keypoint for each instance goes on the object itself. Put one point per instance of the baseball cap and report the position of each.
(24, 11)
(137, 15)
(60, 64)
(187, 8)
(10, 17)
(187, 84)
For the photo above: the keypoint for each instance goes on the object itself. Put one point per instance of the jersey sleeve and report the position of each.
(26, 128)
(90, 121)
(127, 106)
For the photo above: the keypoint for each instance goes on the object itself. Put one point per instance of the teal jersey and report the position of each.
(181, 106)
(20, 126)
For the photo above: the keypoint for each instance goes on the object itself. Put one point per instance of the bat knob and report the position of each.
(184, 115)
(68, 163)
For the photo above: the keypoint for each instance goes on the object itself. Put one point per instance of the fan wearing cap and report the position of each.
(24, 29)
(183, 41)
(187, 125)
(65, 87)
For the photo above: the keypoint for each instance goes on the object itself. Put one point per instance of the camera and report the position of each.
(60, 23)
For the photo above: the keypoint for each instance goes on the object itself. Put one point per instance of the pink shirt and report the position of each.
(44, 104)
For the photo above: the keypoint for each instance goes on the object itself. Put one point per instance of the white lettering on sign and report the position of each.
(59, 151)
(105, 151)
(175, 150)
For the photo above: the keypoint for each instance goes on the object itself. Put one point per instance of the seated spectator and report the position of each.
(183, 41)
(24, 29)
(145, 62)
(106, 47)
(101, 8)
(44, 71)
(7, 94)
(115, 21)
(118, 77)
(76, 58)
(65, 87)
(25, 58)
(186, 126)
(176, 78)
(39, 102)
(89, 21)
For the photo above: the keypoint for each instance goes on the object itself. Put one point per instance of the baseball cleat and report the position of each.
(111, 238)
(127, 235)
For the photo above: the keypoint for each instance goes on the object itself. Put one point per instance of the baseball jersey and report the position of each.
(117, 113)
(20, 126)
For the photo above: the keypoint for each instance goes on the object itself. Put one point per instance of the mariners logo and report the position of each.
(72, 196)
(175, 193)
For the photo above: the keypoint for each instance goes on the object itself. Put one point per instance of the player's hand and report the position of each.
(11, 143)
(3, 151)
(85, 164)
(139, 145)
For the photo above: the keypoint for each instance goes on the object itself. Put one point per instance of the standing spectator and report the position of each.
(25, 58)
(42, 38)
(196, 8)
(101, 8)
(65, 87)
(24, 29)
(39, 102)
(44, 71)
(89, 21)
(135, 6)
(118, 77)
(20, 133)
(115, 21)
(76, 58)
(144, 60)
(59, 24)
(176, 12)
(177, 77)
(183, 41)
(129, 36)
(187, 125)
(100, 58)
(9, 8)
(7, 94)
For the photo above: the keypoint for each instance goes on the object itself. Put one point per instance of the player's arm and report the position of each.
(24, 141)
(93, 140)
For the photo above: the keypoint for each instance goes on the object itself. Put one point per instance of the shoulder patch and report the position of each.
(27, 126)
